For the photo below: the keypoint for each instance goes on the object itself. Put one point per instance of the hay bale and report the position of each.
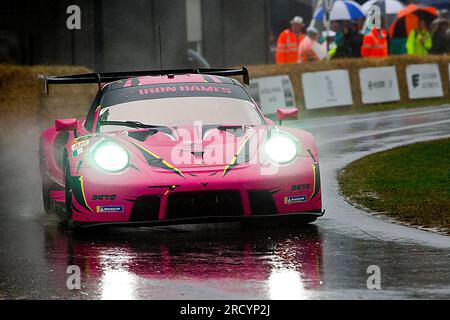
(22, 99)
(353, 66)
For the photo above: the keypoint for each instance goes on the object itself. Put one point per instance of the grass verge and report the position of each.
(410, 184)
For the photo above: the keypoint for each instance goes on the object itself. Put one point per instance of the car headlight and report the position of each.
(281, 147)
(110, 156)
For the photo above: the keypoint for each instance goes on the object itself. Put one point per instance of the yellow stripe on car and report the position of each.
(170, 166)
(83, 193)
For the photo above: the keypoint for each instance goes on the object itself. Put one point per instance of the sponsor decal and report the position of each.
(295, 187)
(146, 91)
(80, 144)
(424, 81)
(175, 88)
(426, 78)
(294, 199)
(379, 84)
(415, 80)
(327, 89)
(104, 197)
(78, 147)
(107, 209)
(272, 92)
(77, 152)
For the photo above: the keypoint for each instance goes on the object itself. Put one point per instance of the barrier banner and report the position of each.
(271, 93)
(379, 84)
(326, 89)
(424, 81)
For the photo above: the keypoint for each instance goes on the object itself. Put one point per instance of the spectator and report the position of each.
(350, 46)
(444, 14)
(419, 40)
(440, 40)
(375, 44)
(397, 46)
(288, 42)
(329, 45)
(334, 26)
(309, 49)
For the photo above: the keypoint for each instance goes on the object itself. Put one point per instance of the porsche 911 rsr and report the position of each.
(180, 146)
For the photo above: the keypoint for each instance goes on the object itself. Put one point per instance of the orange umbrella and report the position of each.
(408, 19)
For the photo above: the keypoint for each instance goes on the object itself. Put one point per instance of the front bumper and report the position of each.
(243, 192)
(299, 217)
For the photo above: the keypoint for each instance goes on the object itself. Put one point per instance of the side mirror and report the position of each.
(286, 113)
(66, 124)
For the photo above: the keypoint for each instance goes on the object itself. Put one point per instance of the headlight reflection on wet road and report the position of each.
(116, 281)
(287, 285)
(118, 284)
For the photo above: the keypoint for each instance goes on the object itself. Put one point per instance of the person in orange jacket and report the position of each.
(310, 50)
(288, 42)
(375, 44)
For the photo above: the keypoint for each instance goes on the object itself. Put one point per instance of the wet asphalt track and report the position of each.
(325, 260)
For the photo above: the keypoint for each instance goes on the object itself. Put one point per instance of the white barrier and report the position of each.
(326, 89)
(424, 81)
(271, 93)
(379, 85)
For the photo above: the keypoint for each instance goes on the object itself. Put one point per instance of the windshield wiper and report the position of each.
(132, 124)
(137, 124)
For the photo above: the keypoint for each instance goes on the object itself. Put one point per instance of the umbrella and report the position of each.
(440, 4)
(389, 9)
(341, 10)
(408, 18)
(392, 6)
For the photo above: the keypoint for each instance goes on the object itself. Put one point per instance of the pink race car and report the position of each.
(176, 147)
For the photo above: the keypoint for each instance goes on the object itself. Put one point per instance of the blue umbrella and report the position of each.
(342, 10)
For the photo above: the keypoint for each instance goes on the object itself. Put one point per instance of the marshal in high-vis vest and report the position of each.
(375, 44)
(288, 42)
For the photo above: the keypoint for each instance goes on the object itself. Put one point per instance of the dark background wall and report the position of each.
(119, 35)
(235, 31)
(282, 11)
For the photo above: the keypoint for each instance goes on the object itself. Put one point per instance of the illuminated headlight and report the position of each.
(281, 147)
(110, 156)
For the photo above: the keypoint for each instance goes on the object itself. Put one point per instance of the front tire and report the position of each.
(46, 202)
(68, 195)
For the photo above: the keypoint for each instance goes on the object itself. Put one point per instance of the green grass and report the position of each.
(410, 184)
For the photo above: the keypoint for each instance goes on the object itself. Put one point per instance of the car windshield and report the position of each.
(176, 104)
(179, 112)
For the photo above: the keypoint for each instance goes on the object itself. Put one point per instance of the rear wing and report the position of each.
(106, 77)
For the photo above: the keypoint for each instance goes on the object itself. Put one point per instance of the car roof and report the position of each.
(167, 79)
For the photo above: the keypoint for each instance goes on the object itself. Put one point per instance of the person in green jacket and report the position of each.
(419, 40)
